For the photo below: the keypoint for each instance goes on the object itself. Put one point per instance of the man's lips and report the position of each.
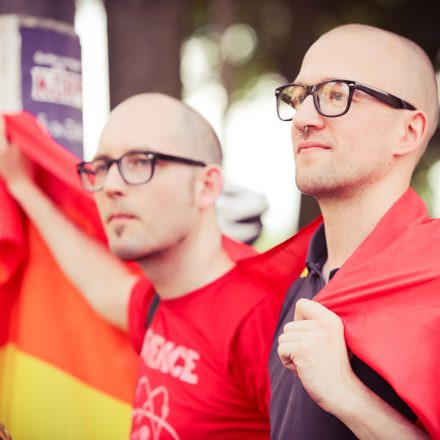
(119, 216)
(310, 146)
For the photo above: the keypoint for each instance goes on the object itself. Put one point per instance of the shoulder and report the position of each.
(244, 287)
(236, 298)
(251, 301)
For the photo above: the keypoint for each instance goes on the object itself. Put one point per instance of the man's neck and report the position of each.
(348, 222)
(189, 265)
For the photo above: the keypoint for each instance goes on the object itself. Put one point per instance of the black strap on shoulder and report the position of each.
(152, 310)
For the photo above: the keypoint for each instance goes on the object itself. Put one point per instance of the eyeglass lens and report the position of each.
(135, 168)
(330, 98)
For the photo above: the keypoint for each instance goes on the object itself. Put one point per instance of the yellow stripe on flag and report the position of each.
(41, 402)
(304, 273)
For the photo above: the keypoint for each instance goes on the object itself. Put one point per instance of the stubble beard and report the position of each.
(143, 250)
(332, 184)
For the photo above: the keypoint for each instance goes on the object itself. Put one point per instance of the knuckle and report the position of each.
(301, 302)
(281, 350)
(290, 327)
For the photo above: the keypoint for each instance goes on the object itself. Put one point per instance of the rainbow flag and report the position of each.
(65, 373)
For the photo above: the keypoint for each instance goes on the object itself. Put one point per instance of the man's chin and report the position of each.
(125, 252)
(128, 252)
(309, 189)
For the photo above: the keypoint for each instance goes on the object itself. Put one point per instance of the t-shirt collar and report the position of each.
(317, 253)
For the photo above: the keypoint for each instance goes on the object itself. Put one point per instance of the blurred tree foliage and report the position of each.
(285, 28)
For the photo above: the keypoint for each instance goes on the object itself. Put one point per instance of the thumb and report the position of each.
(308, 309)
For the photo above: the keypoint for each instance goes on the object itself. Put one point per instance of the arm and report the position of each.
(102, 279)
(313, 346)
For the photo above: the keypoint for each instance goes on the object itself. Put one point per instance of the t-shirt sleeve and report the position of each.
(250, 350)
(140, 299)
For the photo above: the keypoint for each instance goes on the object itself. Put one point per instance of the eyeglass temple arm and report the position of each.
(386, 97)
(179, 159)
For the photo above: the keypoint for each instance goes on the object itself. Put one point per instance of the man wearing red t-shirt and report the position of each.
(156, 177)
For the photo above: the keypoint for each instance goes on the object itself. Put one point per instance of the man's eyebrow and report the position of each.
(322, 80)
(101, 156)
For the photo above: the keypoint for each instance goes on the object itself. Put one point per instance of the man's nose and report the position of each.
(113, 181)
(307, 115)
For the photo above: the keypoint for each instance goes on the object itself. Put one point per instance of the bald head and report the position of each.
(162, 124)
(383, 60)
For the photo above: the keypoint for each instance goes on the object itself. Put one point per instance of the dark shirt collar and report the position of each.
(317, 253)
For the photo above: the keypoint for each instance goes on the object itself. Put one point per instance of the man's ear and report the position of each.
(209, 185)
(412, 134)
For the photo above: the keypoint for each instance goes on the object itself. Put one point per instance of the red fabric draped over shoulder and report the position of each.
(388, 296)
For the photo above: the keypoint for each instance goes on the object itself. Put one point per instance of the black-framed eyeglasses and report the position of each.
(135, 168)
(331, 98)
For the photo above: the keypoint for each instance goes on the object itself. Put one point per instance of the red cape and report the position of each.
(388, 296)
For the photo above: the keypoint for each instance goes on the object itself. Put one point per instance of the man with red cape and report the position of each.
(360, 328)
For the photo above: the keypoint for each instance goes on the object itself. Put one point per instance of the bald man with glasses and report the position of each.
(155, 179)
(344, 363)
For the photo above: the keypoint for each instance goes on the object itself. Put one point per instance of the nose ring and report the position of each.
(303, 131)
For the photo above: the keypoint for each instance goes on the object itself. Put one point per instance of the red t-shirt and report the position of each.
(204, 363)
(141, 295)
